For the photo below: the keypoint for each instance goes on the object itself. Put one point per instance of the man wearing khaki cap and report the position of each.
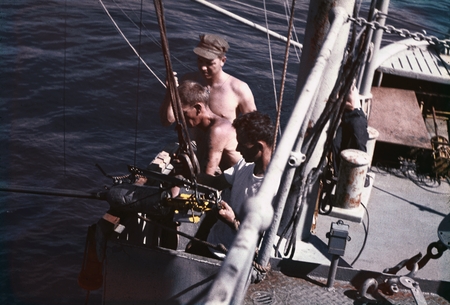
(229, 96)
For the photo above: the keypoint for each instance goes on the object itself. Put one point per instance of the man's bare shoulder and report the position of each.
(238, 84)
(222, 128)
(245, 95)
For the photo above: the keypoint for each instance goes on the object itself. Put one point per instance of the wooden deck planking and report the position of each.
(416, 60)
(433, 60)
(422, 61)
(413, 63)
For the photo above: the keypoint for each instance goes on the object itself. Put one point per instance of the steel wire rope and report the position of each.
(183, 132)
(260, 9)
(151, 37)
(299, 182)
(351, 64)
(131, 46)
(271, 60)
(137, 89)
(283, 75)
(64, 86)
(288, 13)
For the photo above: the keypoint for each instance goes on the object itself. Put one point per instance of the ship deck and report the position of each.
(402, 218)
(310, 287)
(415, 59)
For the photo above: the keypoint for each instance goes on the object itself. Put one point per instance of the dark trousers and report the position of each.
(351, 133)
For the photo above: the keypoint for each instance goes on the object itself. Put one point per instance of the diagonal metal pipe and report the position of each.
(311, 85)
(259, 212)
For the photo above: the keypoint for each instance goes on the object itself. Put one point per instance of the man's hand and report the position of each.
(176, 80)
(353, 102)
(227, 215)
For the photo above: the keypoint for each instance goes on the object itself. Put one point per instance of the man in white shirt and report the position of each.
(255, 133)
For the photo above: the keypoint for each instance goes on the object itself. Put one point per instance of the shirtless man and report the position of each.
(229, 96)
(219, 151)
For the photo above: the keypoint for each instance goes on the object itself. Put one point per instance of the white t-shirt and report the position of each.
(244, 185)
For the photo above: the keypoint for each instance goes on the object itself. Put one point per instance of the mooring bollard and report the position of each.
(352, 174)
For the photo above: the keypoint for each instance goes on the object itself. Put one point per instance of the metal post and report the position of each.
(332, 272)
(312, 83)
(338, 237)
(366, 82)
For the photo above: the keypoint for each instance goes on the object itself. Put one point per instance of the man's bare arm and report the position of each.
(246, 99)
(166, 111)
(216, 145)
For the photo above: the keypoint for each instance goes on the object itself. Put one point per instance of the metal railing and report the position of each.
(232, 280)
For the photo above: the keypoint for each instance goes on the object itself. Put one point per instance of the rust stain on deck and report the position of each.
(396, 115)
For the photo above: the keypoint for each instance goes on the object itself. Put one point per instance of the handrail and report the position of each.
(313, 81)
(248, 22)
(233, 275)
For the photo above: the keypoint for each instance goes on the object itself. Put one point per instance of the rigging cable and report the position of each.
(131, 46)
(64, 87)
(151, 37)
(287, 13)
(138, 83)
(183, 133)
(271, 64)
(283, 75)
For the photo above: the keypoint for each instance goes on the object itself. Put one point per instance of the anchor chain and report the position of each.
(389, 29)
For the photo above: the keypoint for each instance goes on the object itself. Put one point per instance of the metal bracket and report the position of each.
(296, 158)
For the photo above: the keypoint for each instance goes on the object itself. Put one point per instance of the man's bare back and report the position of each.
(222, 145)
(216, 142)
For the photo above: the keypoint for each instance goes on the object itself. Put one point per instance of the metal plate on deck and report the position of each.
(149, 275)
(396, 115)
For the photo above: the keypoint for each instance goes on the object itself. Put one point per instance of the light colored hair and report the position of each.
(192, 93)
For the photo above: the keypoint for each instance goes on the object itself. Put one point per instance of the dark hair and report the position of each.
(192, 92)
(256, 126)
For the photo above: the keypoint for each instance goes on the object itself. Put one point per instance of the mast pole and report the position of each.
(366, 82)
(315, 36)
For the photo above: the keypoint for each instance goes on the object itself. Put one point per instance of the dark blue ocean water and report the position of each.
(73, 94)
